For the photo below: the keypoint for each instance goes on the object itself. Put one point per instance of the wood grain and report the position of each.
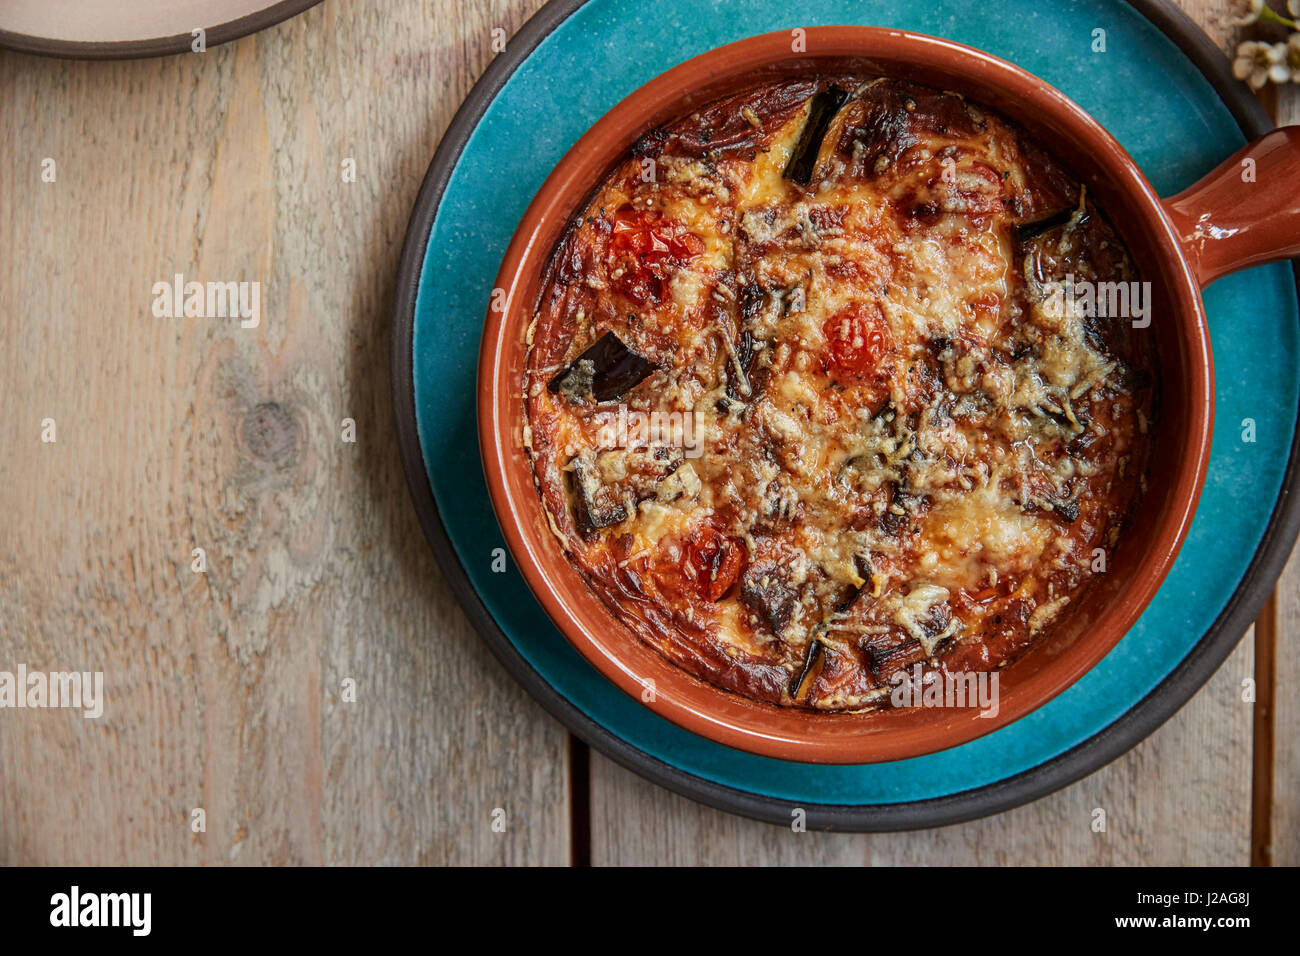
(224, 688)
(1285, 830)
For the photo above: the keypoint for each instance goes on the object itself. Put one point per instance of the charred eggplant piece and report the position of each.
(850, 598)
(813, 663)
(851, 595)
(885, 412)
(764, 593)
(1032, 230)
(1073, 217)
(739, 125)
(738, 383)
(804, 157)
(741, 360)
(900, 513)
(606, 371)
(724, 405)
(884, 658)
(592, 508)
(1092, 332)
(779, 503)
(1064, 509)
(1067, 511)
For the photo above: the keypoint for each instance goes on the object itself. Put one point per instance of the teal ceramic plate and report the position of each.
(1159, 87)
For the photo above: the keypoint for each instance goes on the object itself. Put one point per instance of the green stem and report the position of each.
(1269, 15)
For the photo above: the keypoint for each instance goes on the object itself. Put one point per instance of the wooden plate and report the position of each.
(128, 29)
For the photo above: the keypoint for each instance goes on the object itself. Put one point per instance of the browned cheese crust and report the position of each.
(881, 440)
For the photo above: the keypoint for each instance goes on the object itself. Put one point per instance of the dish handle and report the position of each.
(1244, 213)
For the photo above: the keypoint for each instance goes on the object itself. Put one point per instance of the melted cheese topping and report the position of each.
(868, 439)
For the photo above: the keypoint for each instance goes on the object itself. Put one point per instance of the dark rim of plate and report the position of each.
(1090, 755)
(217, 34)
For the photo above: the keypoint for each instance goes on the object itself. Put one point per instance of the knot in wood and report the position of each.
(270, 433)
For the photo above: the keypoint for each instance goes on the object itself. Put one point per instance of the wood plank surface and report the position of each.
(1285, 830)
(224, 689)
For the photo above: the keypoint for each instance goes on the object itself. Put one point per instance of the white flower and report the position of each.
(1294, 7)
(1257, 63)
(1250, 11)
(1293, 53)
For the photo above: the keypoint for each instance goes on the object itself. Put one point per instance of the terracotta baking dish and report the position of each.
(1180, 244)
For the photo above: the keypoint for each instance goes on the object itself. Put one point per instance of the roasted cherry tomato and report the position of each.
(858, 338)
(708, 564)
(649, 248)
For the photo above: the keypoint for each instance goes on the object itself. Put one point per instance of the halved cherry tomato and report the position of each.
(858, 338)
(649, 249)
(708, 565)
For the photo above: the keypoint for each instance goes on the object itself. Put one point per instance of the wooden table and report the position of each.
(227, 687)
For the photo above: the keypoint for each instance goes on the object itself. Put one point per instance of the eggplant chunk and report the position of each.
(813, 663)
(738, 383)
(1067, 511)
(804, 157)
(884, 659)
(764, 593)
(900, 513)
(592, 508)
(1031, 230)
(868, 585)
(606, 371)
(1070, 218)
